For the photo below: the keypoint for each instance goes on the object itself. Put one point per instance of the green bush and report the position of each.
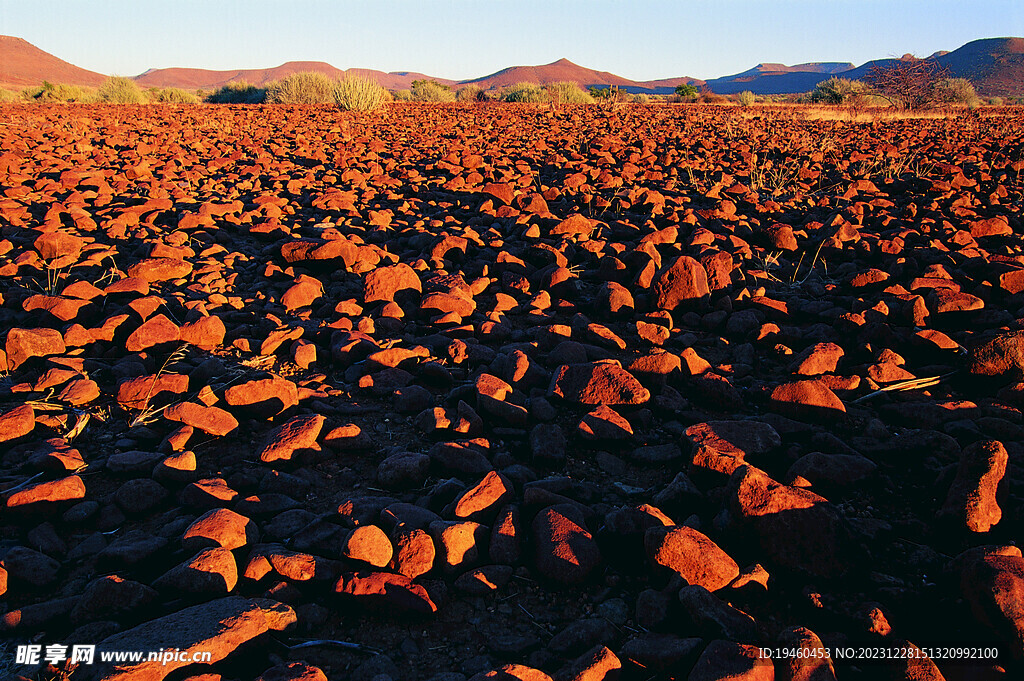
(238, 92)
(526, 93)
(687, 91)
(355, 93)
(403, 95)
(995, 101)
(746, 98)
(838, 90)
(7, 96)
(568, 92)
(304, 87)
(172, 95)
(955, 91)
(121, 90)
(639, 98)
(431, 91)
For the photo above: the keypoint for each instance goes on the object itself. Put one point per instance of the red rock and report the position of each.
(216, 627)
(605, 424)
(459, 545)
(17, 422)
(387, 592)
(997, 226)
(297, 434)
(575, 226)
(64, 309)
(811, 400)
(503, 192)
(692, 555)
(991, 585)
(220, 527)
(303, 293)
(445, 303)
(971, 500)
(565, 551)
(79, 392)
(811, 661)
(383, 283)
(507, 535)
(369, 544)
(684, 281)
(133, 285)
(157, 330)
(735, 438)
(728, 660)
(600, 383)
(59, 244)
(211, 572)
(160, 269)
(413, 552)
(206, 333)
(483, 500)
(821, 358)
(23, 344)
(998, 359)
(264, 397)
(512, 672)
(1012, 282)
(140, 392)
(794, 527)
(46, 493)
(211, 420)
(597, 664)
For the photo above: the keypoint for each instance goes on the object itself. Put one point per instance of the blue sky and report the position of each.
(463, 39)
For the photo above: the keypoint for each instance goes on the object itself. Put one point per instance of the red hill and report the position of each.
(561, 70)
(22, 63)
(192, 79)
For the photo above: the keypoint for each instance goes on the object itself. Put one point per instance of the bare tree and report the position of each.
(908, 83)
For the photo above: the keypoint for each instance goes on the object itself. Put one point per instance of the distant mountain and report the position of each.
(994, 65)
(192, 79)
(22, 64)
(561, 70)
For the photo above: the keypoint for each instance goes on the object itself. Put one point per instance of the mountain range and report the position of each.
(994, 65)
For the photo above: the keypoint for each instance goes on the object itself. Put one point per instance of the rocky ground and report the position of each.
(490, 392)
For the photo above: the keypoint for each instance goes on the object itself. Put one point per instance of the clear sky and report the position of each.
(462, 39)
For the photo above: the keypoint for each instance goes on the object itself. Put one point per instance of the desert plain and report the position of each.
(497, 391)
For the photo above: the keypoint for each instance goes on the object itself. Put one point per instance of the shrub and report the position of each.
(7, 96)
(746, 98)
(172, 95)
(568, 92)
(470, 93)
(837, 90)
(121, 90)
(238, 92)
(687, 91)
(402, 95)
(611, 93)
(526, 93)
(431, 91)
(304, 87)
(955, 91)
(639, 98)
(355, 93)
(58, 92)
(995, 101)
(709, 97)
(908, 83)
